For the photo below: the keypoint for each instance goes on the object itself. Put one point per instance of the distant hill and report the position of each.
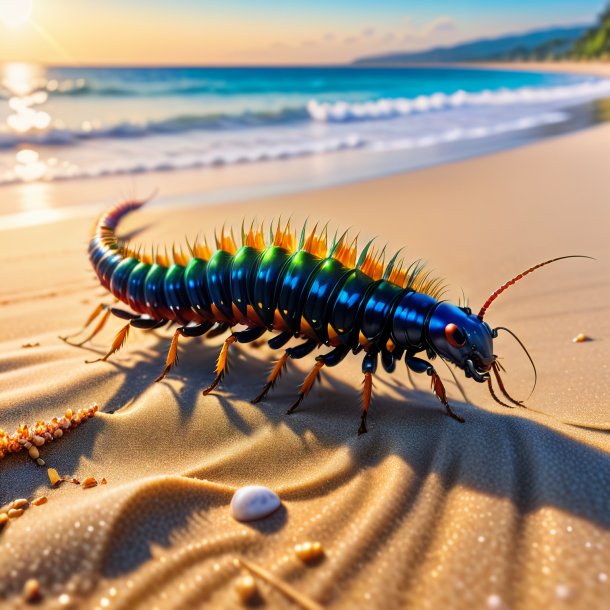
(595, 42)
(540, 44)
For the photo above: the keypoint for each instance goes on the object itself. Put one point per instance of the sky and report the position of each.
(243, 32)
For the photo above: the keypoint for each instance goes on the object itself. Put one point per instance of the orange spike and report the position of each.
(309, 242)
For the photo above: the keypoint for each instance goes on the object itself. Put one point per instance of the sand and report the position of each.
(509, 510)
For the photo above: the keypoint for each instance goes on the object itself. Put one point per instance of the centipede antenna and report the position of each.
(508, 284)
(510, 332)
(496, 370)
(495, 397)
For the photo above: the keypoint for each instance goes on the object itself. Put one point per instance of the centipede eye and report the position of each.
(455, 337)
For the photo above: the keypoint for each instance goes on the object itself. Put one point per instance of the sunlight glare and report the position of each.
(15, 13)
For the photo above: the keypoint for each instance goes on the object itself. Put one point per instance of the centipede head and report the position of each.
(459, 336)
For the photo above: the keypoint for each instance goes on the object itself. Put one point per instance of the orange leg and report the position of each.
(172, 355)
(439, 389)
(94, 314)
(117, 344)
(274, 376)
(98, 329)
(222, 364)
(367, 392)
(311, 378)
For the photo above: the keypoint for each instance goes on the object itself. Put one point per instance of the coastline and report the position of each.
(594, 68)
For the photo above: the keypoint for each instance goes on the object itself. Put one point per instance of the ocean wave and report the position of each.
(155, 161)
(389, 108)
(60, 136)
(202, 154)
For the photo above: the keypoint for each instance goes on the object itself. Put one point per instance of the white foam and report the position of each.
(341, 111)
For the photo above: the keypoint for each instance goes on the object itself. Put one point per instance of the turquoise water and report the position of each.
(99, 121)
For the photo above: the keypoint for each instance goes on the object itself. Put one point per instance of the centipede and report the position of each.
(301, 287)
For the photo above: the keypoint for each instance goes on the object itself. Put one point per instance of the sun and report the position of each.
(15, 13)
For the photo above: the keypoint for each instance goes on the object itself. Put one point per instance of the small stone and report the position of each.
(89, 482)
(38, 441)
(68, 414)
(34, 453)
(246, 589)
(309, 551)
(58, 433)
(54, 477)
(20, 503)
(40, 462)
(581, 338)
(39, 501)
(15, 513)
(253, 502)
(103, 481)
(3, 520)
(31, 590)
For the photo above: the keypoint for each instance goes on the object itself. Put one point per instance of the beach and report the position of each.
(508, 510)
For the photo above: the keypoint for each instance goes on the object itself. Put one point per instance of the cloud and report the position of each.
(368, 32)
(441, 25)
(429, 30)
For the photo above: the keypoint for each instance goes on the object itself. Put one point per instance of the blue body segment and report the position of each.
(119, 282)
(348, 302)
(106, 266)
(318, 301)
(242, 269)
(136, 285)
(265, 291)
(197, 287)
(295, 281)
(154, 293)
(410, 318)
(218, 276)
(378, 309)
(174, 287)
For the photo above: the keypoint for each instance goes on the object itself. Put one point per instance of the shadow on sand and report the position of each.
(407, 423)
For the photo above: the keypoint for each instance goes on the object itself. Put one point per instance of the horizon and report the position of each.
(239, 35)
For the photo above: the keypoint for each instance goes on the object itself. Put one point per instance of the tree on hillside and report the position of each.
(595, 43)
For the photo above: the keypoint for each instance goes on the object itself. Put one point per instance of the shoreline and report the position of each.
(37, 202)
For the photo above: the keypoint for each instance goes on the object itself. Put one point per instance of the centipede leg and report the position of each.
(98, 329)
(300, 351)
(369, 366)
(222, 364)
(118, 342)
(306, 386)
(92, 316)
(274, 377)
(172, 355)
(418, 365)
(439, 389)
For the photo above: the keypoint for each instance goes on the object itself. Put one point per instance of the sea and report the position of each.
(347, 122)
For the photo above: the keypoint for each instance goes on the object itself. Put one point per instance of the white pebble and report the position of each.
(494, 601)
(253, 502)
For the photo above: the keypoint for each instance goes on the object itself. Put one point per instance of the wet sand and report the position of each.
(509, 510)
